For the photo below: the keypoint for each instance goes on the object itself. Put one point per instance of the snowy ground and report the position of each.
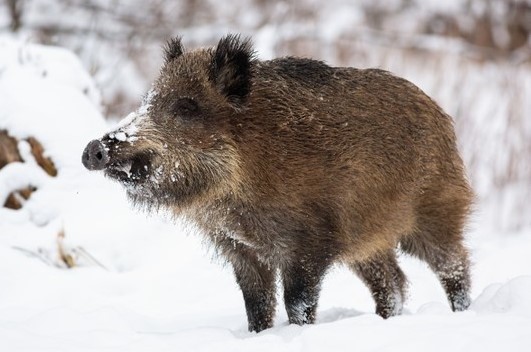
(157, 288)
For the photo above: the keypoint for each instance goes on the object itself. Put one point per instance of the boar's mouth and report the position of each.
(132, 170)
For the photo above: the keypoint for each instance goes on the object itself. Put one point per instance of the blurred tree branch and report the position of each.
(15, 13)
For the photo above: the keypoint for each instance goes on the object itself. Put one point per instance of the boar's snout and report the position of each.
(95, 155)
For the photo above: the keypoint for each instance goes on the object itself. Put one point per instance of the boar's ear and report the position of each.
(173, 49)
(231, 68)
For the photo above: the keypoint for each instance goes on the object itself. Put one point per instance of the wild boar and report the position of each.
(290, 165)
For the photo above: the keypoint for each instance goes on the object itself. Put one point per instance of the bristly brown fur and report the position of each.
(290, 165)
(173, 49)
(231, 68)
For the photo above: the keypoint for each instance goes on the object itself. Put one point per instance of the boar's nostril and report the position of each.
(95, 156)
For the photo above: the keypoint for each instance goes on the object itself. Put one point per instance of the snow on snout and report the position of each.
(127, 128)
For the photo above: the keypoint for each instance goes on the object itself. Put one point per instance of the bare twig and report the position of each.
(39, 254)
(82, 252)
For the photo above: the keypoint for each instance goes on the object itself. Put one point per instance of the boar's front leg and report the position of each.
(302, 284)
(257, 282)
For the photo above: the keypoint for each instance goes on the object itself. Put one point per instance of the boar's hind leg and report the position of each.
(302, 283)
(385, 280)
(450, 264)
(439, 242)
(258, 284)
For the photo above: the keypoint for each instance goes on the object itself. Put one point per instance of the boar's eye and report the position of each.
(185, 107)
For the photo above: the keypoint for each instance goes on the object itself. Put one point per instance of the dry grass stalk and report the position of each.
(67, 258)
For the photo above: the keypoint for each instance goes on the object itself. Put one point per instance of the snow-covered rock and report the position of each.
(46, 94)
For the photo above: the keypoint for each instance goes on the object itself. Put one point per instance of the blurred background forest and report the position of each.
(472, 56)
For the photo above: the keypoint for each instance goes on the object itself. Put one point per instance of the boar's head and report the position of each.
(179, 145)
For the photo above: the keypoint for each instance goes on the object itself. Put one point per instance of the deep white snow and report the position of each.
(145, 283)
